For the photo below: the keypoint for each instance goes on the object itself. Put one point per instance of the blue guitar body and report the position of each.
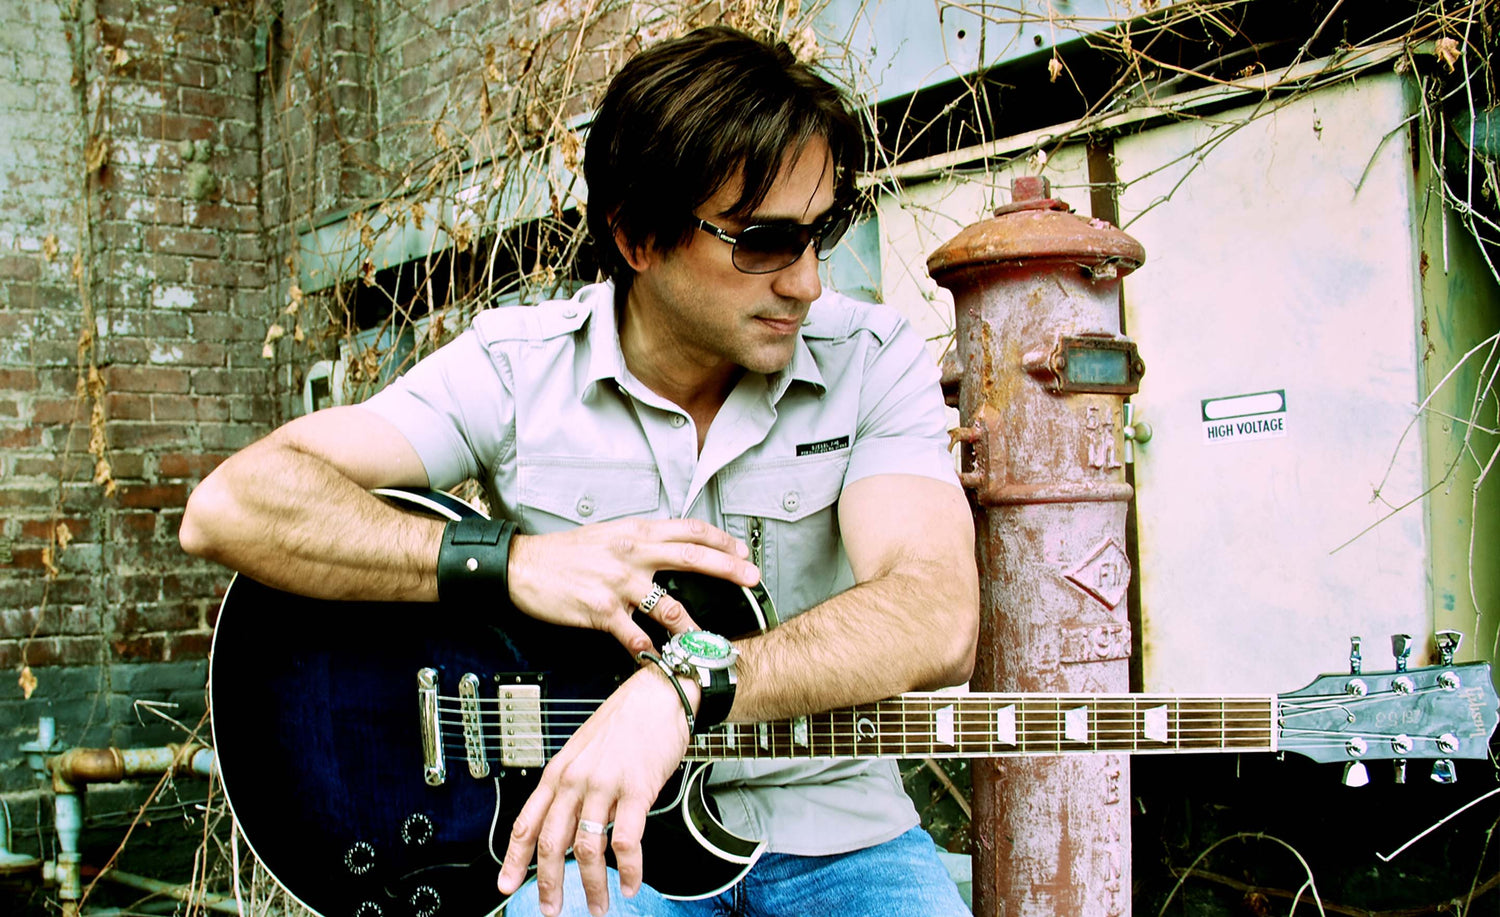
(317, 727)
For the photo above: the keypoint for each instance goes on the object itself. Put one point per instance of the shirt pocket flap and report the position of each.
(787, 490)
(586, 491)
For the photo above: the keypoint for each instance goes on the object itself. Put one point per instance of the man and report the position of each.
(708, 410)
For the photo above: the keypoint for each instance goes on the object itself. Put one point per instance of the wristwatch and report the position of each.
(707, 659)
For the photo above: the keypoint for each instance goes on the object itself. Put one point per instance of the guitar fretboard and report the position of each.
(997, 725)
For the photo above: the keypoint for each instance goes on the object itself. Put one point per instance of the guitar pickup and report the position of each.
(521, 737)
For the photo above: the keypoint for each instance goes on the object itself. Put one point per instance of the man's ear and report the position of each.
(639, 257)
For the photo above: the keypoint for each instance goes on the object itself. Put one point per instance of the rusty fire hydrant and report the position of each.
(1045, 372)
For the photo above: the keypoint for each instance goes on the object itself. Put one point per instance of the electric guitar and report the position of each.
(375, 754)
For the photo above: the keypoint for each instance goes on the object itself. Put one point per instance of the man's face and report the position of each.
(713, 314)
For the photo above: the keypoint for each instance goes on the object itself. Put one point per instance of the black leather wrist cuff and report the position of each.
(474, 560)
(717, 699)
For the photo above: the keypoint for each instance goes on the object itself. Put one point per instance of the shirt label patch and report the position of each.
(827, 445)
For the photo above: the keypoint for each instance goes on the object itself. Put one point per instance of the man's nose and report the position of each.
(799, 280)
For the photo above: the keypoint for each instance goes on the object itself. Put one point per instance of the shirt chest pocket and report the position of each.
(787, 511)
(555, 493)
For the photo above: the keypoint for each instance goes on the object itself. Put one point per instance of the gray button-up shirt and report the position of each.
(538, 405)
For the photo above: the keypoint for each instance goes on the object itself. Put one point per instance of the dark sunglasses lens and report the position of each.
(763, 249)
(830, 235)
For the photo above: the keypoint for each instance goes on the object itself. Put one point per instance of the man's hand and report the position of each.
(611, 770)
(595, 575)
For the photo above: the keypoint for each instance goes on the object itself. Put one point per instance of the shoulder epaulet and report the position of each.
(540, 322)
(834, 316)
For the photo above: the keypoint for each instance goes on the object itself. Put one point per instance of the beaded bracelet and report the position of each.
(687, 706)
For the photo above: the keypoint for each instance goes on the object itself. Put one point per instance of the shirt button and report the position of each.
(585, 506)
(791, 501)
(678, 420)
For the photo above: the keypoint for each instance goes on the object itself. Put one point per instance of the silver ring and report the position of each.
(652, 597)
(592, 827)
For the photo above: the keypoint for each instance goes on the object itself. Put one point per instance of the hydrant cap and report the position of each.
(1036, 227)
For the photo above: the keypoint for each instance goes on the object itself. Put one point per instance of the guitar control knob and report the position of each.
(416, 830)
(425, 902)
(360, 858)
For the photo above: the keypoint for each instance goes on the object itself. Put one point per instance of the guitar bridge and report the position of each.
(521, 726)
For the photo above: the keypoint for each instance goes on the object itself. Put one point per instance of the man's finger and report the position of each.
(698, 532)
(523, 833)
(588, 849)
(673, 615)
(630, 824)
(629, 634)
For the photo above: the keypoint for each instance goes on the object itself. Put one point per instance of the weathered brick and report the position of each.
(192, 645)
(21, 623)
(146, 379)
(188, 464)
(16, 380)
(140, 648)
(80, 528)
(133, 435)
(152, 495)
(181, 242)
(132, 527)
(128, 406)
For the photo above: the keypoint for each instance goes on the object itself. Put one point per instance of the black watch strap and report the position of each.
(717, 699)
(474, 561)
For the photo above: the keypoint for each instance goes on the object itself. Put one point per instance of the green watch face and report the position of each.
(705, 645)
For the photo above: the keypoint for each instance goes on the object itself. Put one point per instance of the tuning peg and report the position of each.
(1400, 770)
(1356, 661)
(1448, 642)
(1355, 774)
(1443, 772)
(1401, 649)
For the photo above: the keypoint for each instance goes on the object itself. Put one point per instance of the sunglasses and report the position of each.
(768, 247)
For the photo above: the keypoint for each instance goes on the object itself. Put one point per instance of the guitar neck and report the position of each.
(998, 725)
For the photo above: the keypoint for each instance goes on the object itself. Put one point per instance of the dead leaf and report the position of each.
(27, 681)
(439, 136)
(486, 108)
(51, 567)
(273, 333)
(367, 273)
(1447, 52)
(569, 145)
(297, 333)
(121, 57)
(418, 213)
(64, 536)
(49, 248)
(1054, 68)
(78, 266)
(97, 152)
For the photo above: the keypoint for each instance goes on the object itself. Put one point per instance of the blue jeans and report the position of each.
(901, 878)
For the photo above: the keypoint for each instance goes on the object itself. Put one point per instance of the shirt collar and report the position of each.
(607, 362)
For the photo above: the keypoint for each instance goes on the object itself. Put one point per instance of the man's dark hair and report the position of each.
(688, 115)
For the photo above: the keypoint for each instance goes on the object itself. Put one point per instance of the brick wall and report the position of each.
(133, 303)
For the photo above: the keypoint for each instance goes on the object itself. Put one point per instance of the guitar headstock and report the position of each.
(1441, 711)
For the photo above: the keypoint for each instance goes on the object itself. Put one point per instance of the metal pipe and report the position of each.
(1044, 372)
(221, 903)
(74, 769)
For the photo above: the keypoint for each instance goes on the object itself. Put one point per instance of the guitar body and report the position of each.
(317, 730)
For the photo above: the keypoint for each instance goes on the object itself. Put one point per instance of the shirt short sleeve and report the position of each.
(455, 408)
(903, 423)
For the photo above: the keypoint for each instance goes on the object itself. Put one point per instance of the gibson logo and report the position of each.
(1475, 697)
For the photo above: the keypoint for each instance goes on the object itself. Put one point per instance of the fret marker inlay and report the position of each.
(945, 726)
(1076, 724)
(1155, 725)
(763, 731)
(799, 732)
(1005, 725)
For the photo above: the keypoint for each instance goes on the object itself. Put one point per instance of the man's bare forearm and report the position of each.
(900, 632)
(295, 520)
